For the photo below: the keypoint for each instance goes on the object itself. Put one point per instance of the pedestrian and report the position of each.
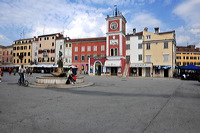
(69, 76)
(1, 73)
(10, 70)
(21, 71)
(14, 71)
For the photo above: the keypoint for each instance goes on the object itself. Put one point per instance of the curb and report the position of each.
(84, 84)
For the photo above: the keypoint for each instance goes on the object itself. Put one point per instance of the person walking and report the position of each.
(1, 73)
(21, 71)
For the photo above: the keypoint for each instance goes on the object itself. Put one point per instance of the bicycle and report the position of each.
(25, 83)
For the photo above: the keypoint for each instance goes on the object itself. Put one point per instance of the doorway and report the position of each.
(98, 68)
(147, 71)
(166, 72)
(140, 71)
(113, 71)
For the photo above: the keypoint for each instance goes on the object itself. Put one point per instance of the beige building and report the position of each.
(47, 49)
(159, 49)
(22, 52)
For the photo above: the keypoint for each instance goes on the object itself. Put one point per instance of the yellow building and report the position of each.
(22, 52)
(159, 49)
(186, 55)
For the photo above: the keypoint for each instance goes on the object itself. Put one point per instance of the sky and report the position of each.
(20, 19)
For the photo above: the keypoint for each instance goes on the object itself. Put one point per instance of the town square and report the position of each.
(111, 104)
(99, 66)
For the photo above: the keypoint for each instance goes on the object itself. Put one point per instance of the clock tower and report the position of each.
(115, 42)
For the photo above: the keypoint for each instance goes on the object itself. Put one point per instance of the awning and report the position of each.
(141, 65)
(113, 63)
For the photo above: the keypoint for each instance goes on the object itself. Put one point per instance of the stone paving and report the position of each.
(110, 105)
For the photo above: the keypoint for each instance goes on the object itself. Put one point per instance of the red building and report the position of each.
(83, 49)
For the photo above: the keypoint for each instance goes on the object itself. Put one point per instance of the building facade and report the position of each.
(86, 48)
(47, 49)
(7, 56)
(186, 55)
(22, 52)
(159, 48)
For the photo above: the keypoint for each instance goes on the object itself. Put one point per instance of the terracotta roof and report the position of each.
(166, 32)
(25, 39)
(49, 34)
(87, 39)
(138, 33)
(190, 48)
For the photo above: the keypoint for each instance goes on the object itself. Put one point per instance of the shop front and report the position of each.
(113, 67)
(141, 69)
(162, 71)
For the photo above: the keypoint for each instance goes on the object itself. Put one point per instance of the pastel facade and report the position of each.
(68, 52)
(7, 56)
(47, 49)
(22, 52)
(159, 49)
(86, 48)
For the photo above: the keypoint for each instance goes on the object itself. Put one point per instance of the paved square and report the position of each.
(112, 105)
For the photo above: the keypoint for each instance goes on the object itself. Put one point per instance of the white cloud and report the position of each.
(4, 39)
(142, 20)
(189, 12)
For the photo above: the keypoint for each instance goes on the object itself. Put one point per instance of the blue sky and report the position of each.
(86, 18)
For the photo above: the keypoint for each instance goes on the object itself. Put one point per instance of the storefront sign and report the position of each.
(113, 63)
(140, 65)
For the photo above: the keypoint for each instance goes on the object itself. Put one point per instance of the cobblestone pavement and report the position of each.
(111, 105)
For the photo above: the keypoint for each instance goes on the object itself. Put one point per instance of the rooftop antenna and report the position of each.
(43, 29)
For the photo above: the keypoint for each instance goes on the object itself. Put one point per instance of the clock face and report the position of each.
(113, 25)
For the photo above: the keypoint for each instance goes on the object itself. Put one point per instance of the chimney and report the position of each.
(146, 29)
(156, 30)
(134, 31)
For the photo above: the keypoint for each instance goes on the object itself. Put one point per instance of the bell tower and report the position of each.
(115, 42)
(116, 30)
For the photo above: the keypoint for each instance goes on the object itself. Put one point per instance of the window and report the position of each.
(148, 46)
(76, 49)
(70, 45)
(139, 37)
(157, 71)
(35, 53)
(52, 43)
(139, 45)
(127, 46)
(29, 54)
(88, 56)
(40, 45)
(178, 57)
(114, 52)
(66, 45)
(83, 48)
(60, 46)
(82, 57)
(166, 57)
(127, 38)
(76, 57)
(148, 58)
(139, 57)
(88, 48)
(148, 37)
(165, 45)
(95, 48)
(102, 48)
(25, 47)
(52, 37)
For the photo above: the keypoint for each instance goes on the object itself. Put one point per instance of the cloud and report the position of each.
(141, 20)
(189, 12)
(4, 39)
